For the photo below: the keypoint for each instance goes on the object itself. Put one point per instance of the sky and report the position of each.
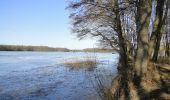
(38, 23)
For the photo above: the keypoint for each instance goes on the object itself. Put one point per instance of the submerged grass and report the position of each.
(101, 80)
(102, 88)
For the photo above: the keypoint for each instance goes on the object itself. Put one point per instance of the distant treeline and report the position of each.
(30, 48)
(46, 48)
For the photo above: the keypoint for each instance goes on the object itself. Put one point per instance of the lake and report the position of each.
(43, 76)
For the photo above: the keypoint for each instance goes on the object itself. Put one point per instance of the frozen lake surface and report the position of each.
(42, 75)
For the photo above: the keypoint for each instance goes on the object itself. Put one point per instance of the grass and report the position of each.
(87, 63)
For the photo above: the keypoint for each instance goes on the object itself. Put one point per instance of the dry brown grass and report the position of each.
(164, 60)
(80, 64)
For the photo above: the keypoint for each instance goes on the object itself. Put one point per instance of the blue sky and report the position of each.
(38, 22)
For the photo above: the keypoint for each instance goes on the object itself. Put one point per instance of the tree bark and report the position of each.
(159, 17)
(143, 17)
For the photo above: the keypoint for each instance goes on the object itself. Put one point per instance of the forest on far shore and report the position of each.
(30, 48)
(46, 48)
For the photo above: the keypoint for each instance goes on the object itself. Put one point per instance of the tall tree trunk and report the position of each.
(143, 18)
(123, 69)
(121, 37)
(167, 24)
(167, 49)
(159, 18)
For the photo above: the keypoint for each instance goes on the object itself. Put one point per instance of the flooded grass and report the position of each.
(81, 64)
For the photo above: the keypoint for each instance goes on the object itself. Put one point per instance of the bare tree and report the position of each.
(124, 26)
